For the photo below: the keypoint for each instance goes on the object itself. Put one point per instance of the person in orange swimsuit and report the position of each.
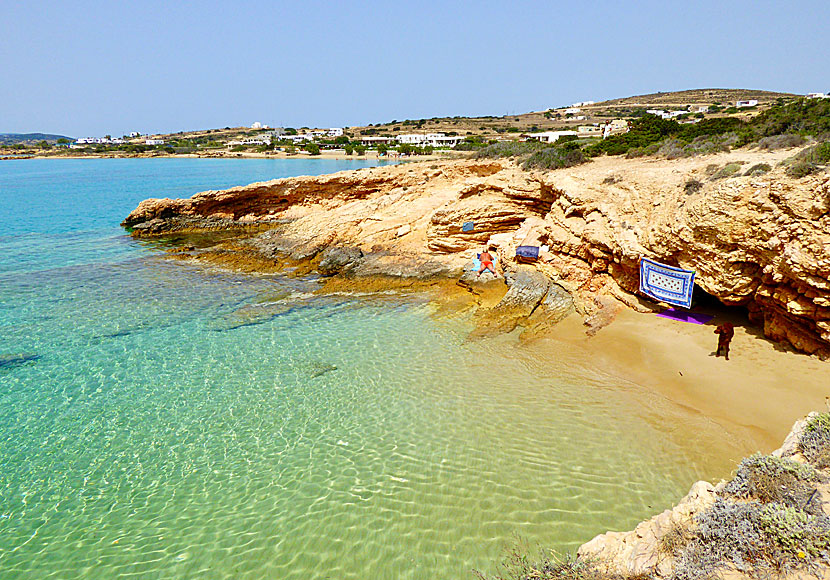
(487, 259)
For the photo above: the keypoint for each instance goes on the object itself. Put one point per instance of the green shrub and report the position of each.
(818, 154)
(727, 170)
(312, 148)
(753, 538)
(519, 565)
(776, 142)
(554, 158)
(802, 168)
(816, 437)
(644, 131)
(692, 186)
(771, 479)
(797, 534)
(758, 169)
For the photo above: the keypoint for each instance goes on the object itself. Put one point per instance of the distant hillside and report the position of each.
(700, 96)
(14, 138)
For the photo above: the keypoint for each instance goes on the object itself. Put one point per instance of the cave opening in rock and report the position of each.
(737, 315)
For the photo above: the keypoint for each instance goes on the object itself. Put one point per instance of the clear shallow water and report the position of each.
(184, 423)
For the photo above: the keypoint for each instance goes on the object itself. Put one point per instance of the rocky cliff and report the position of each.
(761, 242)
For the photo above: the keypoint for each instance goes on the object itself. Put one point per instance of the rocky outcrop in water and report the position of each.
(760, 242)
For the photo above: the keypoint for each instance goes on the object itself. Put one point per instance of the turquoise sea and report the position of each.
(163, 420)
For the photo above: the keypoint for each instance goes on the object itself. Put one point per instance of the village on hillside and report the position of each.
(584, 121)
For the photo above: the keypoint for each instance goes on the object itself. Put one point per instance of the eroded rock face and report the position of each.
(759, 242)
(762, 243)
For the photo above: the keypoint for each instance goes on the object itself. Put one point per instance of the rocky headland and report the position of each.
(760, 241)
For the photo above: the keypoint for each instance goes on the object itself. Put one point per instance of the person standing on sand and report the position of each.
(725, 331)
(486, 259)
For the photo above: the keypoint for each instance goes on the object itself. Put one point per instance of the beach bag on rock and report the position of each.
(527, 253)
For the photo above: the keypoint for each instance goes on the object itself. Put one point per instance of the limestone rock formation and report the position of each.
(762, 242)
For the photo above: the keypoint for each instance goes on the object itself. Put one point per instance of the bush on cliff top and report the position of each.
(535, 155)
(815, 440)
(518, 565)
(768, 479)
(754, 538)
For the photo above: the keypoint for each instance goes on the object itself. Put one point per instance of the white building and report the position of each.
(749, 103)
(296, 138)
(572, 110)
(135, 134)
(154, 142)
(551, 136)
(98, 141)
(258, 140)
(370, 141)
(335, 132)
(583, 104)
(441, 140)
(256, 125)
(818, 96)
(701, 109)
(615, 127)
(589, 131)
(412, 138)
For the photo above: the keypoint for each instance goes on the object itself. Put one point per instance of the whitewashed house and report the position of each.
(589, 131)
(371, 141)
(551, 136)
(818, 96)
(412, 138)
(748, 103)
(154, 142)
(335, 132)
(441, 140)
(615, 127)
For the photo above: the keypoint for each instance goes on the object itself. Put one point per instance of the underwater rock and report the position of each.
(8, 361)
(319, 368)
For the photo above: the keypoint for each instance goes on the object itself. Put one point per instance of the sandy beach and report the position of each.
(755, 395)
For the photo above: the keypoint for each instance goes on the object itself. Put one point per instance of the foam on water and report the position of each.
(189, 423)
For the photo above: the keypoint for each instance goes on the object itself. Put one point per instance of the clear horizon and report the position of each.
(95, 68)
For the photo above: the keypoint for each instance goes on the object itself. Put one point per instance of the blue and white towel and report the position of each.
(667, 283)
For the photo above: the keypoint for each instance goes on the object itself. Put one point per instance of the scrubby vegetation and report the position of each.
(781, 126)
(692, 186)
(535, 155)
(518, 565)
(727, 170)
(758, 169)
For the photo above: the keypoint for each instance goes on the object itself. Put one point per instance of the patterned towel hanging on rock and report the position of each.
(667, 283)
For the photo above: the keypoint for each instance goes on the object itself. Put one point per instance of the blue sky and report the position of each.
(91, 68)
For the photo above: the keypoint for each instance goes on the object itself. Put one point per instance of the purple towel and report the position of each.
(685, 316)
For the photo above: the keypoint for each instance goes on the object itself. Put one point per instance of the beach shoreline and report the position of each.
(223, 154)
